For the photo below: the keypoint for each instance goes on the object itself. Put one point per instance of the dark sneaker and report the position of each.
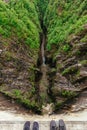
(52, 125)
(27, 125)
(62, 125)
(35, 126)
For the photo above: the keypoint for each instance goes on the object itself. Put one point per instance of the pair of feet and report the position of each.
(60, 125)
(27, 126)
(53, 125)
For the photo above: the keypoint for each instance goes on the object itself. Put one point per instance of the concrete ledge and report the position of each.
(44, 125)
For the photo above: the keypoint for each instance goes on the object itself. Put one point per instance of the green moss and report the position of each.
(70, 70)
(58, 105)
(68, 94)
(8, 55)
(53, 70)
(33, 91)
(78, 52)
(59, 66)
(5, 43)
(43, 97)
(84, 39)
(66, 48)
(17, 93)
(83, 62)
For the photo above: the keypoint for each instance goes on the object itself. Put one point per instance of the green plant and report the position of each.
(33, 90)
(17, 93)
(66, 48)
(68, 94)
(63, 19)
(83, 62)
(70, 70)
(58, 105)
(16, 18)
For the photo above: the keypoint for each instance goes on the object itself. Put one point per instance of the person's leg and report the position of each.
(62, 125)
(27, 125)
(52, 125)
(35, 126)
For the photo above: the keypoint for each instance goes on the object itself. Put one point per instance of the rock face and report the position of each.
(17, 74)
(74, 65)
(70, 76)
(19, 47)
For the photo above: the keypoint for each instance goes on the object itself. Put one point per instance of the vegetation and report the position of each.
(84, 62)
(65, 26)
(70, 70)
(68, 94)
(64, 19)
(42, 5)
(61, 18)
(20, 19)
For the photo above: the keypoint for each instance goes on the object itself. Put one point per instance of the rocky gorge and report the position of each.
(43, 54)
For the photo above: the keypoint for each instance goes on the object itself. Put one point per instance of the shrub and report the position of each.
(20, 18)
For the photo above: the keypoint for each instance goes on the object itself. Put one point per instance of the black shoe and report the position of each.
(27, 125)
(52, 125)
(35, 126)
(62, 125)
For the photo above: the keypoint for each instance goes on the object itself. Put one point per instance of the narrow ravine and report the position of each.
(36, 78)
(44, 82)
(42, 77)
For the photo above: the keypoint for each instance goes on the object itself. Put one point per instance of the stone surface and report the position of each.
(70, 76)
(17, 75)
(70, 125)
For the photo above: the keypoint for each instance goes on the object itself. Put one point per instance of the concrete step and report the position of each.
(44, 125)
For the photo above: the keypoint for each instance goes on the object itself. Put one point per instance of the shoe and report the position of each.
(35, 126)
(27, 125)
(62, 125)
(52, 125)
